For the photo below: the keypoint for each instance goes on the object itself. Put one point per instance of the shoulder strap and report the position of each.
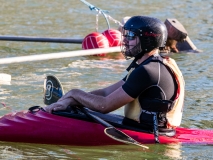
(134, 64)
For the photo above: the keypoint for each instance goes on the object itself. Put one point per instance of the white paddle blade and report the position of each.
(122, 137)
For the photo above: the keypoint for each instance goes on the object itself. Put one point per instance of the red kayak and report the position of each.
(69, 128)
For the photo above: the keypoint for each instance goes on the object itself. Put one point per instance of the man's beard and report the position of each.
(129, 53)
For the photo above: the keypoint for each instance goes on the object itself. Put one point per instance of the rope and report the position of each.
(97, 15)
(103, 12)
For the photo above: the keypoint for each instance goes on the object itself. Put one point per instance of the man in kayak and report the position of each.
(154, 86)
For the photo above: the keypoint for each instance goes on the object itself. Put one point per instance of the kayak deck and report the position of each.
(76, 129)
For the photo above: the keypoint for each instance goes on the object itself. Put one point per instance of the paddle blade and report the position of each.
(121, 137)
(52, 90)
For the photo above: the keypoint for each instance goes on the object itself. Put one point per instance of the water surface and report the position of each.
(69, 18)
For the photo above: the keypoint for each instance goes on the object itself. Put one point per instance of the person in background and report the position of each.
(178, 39)
(153, 86)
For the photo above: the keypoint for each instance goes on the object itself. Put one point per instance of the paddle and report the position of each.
(53, 90)
(41, 39)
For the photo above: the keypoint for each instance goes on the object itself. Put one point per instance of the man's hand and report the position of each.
(61, 104)
(55, 107)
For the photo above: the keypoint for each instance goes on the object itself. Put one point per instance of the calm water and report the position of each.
(71, 18)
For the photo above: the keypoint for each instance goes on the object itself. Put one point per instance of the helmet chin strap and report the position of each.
(134, 64)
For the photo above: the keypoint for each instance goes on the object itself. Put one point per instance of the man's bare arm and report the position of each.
(111, 102)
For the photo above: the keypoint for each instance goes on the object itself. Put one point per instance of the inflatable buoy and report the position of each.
(95, 40)
(113, 36)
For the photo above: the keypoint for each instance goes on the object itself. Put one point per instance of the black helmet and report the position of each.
(151, 33)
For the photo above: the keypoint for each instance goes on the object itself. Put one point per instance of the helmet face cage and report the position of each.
(127, 49)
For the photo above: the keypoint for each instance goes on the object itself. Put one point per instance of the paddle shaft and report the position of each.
(40, 57)
(95, 118)
(41, 39)
(111, 131)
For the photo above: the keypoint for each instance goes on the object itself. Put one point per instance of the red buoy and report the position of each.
(95, 40)
(113, 36)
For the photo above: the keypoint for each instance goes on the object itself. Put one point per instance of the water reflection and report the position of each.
(124, 152)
